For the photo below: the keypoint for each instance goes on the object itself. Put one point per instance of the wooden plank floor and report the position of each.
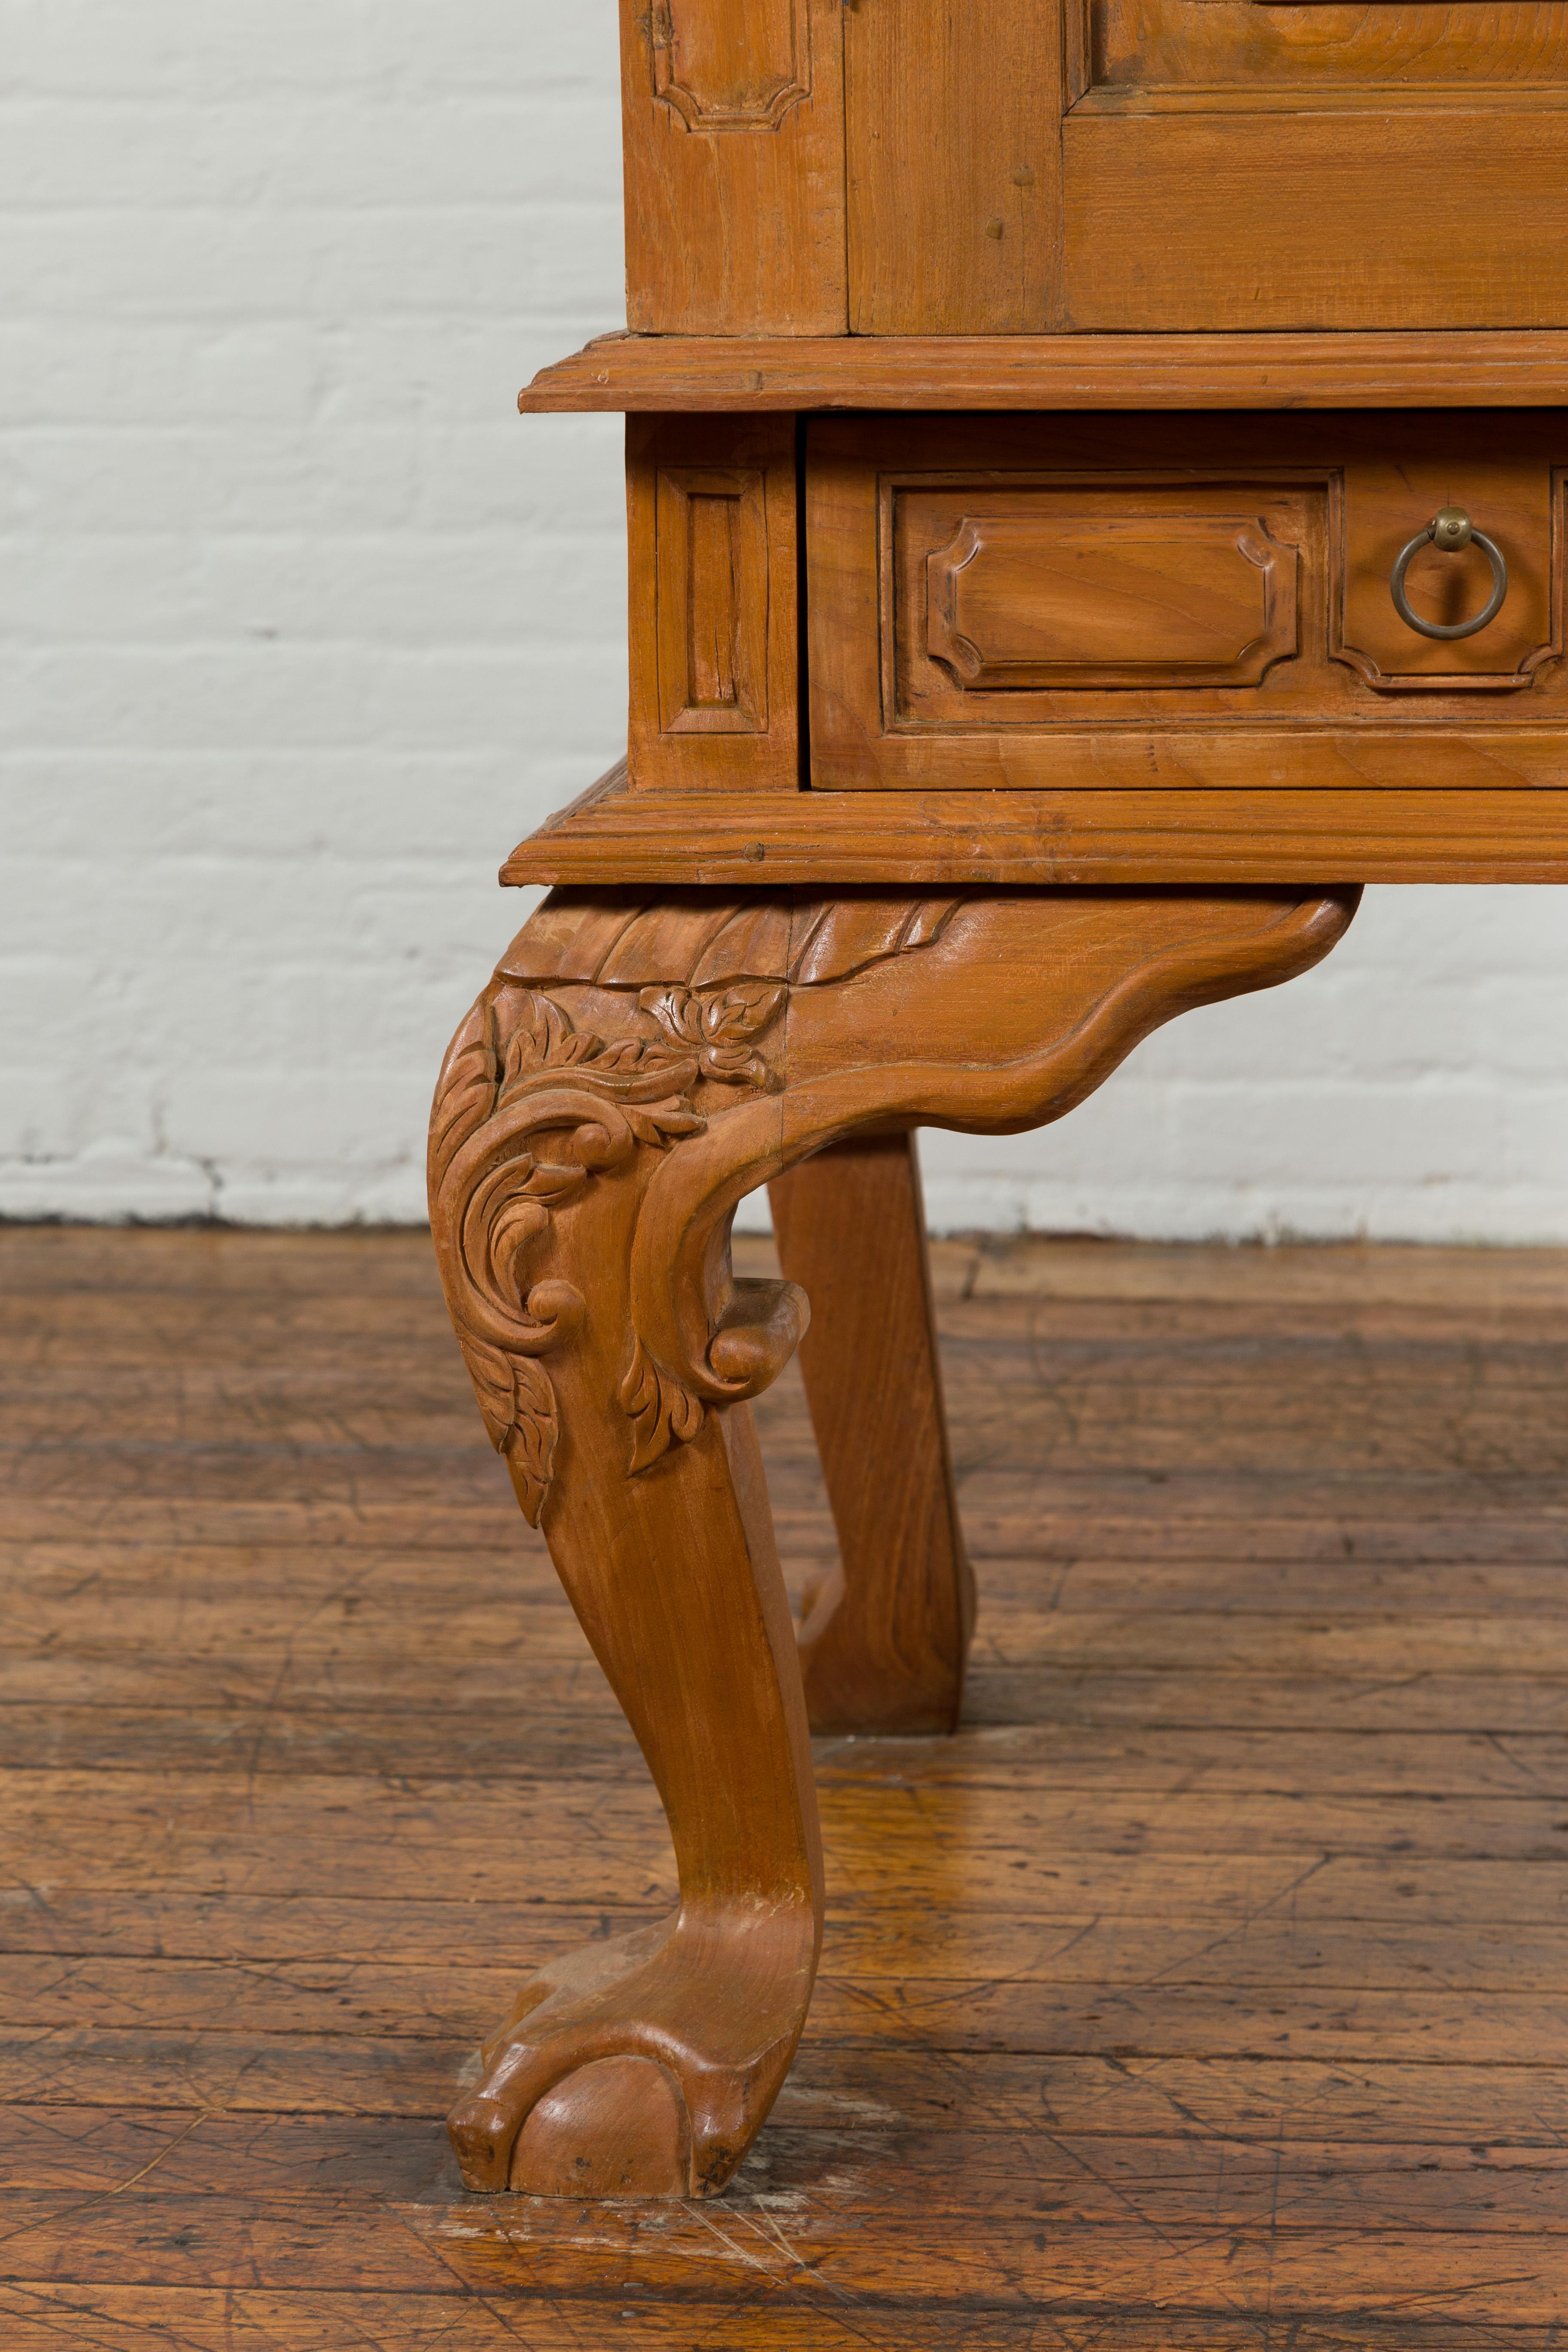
(1208, 1991)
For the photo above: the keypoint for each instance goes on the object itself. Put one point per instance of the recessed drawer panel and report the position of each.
(1043, 585)
(992, 600)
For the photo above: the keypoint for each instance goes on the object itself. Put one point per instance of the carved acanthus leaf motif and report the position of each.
(661, 1412)
(720, 1021)
(520, 1073)
(517, 1403)
(543, 1043)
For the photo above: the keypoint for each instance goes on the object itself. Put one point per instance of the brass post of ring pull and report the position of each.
(1451, 530)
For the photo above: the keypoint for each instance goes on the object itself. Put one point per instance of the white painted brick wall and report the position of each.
(303, 628)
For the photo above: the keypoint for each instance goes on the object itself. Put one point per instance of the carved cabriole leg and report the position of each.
(639, 1063)
(640, 2067)
(883, 1640)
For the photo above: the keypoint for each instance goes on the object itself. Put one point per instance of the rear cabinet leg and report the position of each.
(884, 1638)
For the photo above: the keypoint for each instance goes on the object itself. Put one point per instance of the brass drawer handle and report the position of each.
(1450, 528)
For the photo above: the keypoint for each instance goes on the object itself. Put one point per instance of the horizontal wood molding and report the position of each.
(1457, 370)
(1333, 830)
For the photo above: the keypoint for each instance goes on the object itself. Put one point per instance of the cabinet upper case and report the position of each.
(1023, 166)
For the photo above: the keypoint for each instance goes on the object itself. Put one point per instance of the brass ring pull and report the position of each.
(1450, 528)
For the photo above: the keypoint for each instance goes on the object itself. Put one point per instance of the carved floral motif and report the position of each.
(529, 1112)
(720, 1023)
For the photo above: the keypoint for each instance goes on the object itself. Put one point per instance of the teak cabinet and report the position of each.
(1095, 489)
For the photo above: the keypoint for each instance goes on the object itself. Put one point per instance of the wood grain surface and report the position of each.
(1438, 219)
(1204, 1992)
(1156, 54)
(954, 173)
(732, 131)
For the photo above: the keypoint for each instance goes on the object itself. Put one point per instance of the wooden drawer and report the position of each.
(1063, 600)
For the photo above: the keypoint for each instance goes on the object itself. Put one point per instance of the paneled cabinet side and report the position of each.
(711, 514)
(734, 166)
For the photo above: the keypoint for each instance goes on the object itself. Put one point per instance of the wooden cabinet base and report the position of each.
(640, 1062)
(1128, 831)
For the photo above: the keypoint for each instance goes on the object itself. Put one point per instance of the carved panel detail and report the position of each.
(713, 590)
(731, 64)
(1044, 598)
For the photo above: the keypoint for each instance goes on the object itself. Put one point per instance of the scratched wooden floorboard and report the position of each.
(1205, 1992)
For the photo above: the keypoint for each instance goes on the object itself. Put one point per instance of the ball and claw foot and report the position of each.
(597, 2085)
